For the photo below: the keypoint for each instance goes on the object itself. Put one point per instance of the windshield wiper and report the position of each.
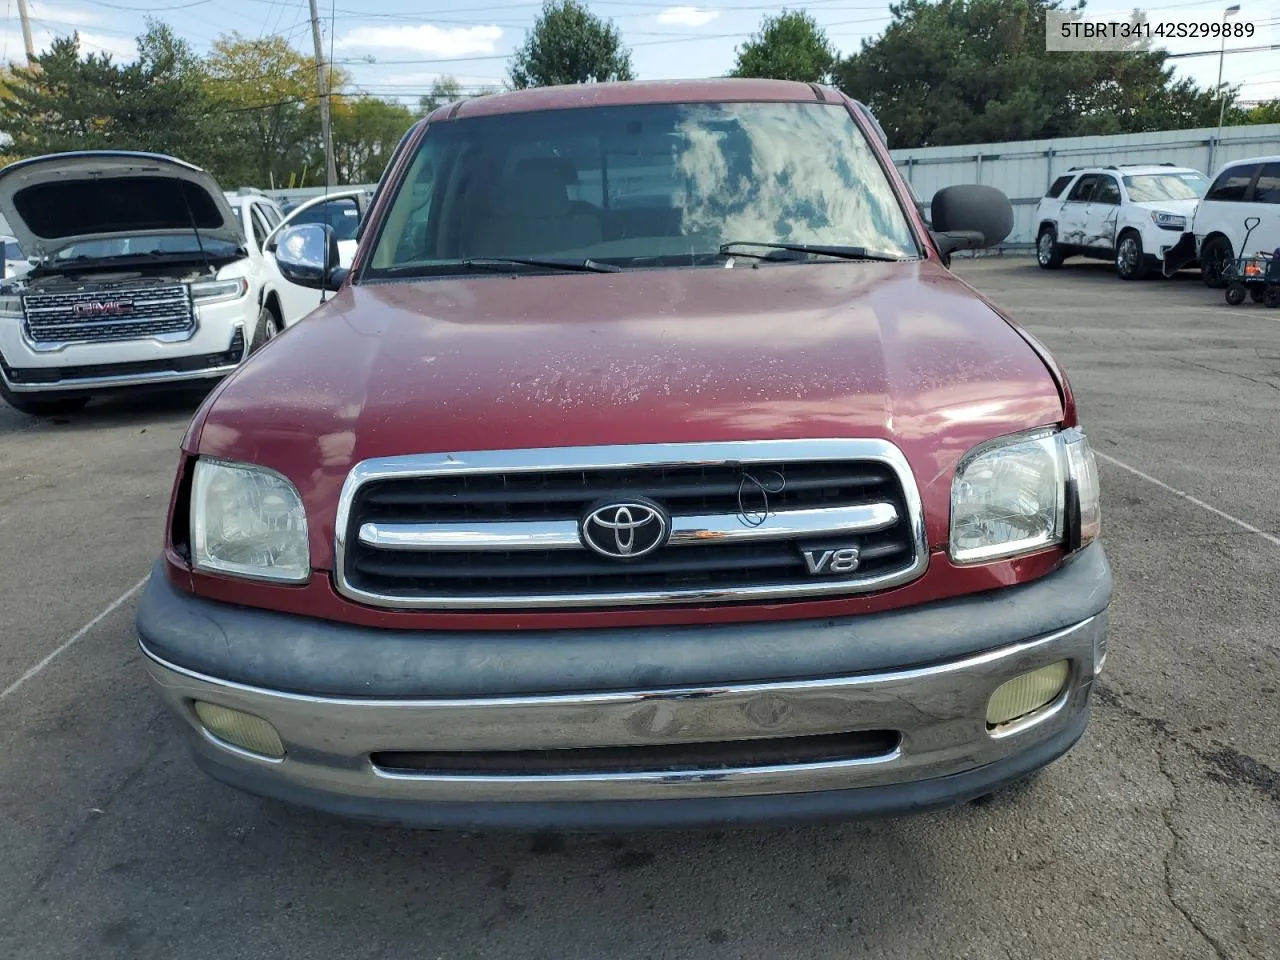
(844, 253)
(494, 263)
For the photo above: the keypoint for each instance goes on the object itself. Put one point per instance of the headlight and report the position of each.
(1020, 494)
(1168, 221)
(211, 291)
(248, 521)
(10, 308)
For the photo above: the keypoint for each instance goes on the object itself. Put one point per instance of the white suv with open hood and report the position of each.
(141, 279)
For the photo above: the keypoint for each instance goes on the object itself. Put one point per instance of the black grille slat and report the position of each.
(656, 758)
(550, 495)
(483, 497)
(153, 311)
(580, 563)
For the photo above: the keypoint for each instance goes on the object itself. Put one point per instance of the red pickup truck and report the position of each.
(649, 467)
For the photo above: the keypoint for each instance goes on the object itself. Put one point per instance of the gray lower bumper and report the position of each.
(944, 753)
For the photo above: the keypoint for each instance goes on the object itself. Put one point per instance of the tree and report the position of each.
(976, 71)
(444, 90)
(365, 132)
(570, 44)
(1266, 112)
(790, 46)
(69, 102)
(266, 109)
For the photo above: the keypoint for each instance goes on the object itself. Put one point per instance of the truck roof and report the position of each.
(638, 92)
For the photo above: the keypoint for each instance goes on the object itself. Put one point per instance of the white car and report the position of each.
(15, 261)
(263, 222)
(1130, 215)
(145, 275)
(1239, 216)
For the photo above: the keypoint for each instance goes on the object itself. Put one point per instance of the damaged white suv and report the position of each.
(141, 279)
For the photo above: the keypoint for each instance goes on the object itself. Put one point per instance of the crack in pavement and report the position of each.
(1165, 737)
(1226, 373)
(1177, 841)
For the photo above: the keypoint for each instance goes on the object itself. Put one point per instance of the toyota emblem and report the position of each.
(626, 529)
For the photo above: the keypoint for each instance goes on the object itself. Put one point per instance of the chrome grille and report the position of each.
(501, 529)
(124, 313)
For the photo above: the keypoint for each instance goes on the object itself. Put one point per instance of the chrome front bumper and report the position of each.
(939, 710)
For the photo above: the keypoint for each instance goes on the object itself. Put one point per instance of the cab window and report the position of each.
(1058, 186)
(1083, 189)
(1267, 189)
(1232, 183)
(1108, 191)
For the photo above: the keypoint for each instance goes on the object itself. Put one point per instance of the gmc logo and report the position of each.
(102, 308)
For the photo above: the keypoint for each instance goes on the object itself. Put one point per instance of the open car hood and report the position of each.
(54, 201)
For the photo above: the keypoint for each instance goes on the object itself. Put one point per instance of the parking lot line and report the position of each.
(1270, 538)
(71, 641)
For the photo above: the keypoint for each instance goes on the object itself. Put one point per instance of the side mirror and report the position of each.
(308, 256)
(970, 217)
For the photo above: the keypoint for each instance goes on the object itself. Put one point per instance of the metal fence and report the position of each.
(1023, 170)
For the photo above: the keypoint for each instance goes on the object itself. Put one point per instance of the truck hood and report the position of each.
(55, 201)
(902, 351)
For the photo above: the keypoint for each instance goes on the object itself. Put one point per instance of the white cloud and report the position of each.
(427, 39)
(123, 49)
(62, 16)
(687, 16)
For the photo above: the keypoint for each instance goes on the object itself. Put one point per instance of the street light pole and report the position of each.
(1231, 11)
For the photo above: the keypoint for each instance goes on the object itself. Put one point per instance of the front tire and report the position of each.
(268, 326)
(1130, 260)
(1214, 257)
(1048, 254)
(1235, 293)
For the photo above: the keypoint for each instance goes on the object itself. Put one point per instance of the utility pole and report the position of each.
(1231, 11)
(322, 84)
(26, 31)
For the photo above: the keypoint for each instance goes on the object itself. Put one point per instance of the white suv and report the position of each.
(1130, 215)
(1239, 216)
(145, 275)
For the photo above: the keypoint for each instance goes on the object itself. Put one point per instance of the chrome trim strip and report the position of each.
(133, 380)
(622, 457)
(939, 709)
(564, 534)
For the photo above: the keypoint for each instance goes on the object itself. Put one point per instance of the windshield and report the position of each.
(1151, 188)
(650, 185)
(133, 246)
(12, 251)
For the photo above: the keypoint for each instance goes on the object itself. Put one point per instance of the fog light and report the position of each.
(1027, 693)
(239, 729)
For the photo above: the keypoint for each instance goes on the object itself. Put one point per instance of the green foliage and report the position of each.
(1267, 112)
(976, 71)
(569, 44)
(266, 111)
(69, 102)
(790, 46)
(366, 131)
(444, 90)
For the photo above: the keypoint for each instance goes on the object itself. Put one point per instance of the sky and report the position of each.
(397, 48)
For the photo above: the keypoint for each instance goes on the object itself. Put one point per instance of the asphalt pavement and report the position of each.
(1157, 837)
